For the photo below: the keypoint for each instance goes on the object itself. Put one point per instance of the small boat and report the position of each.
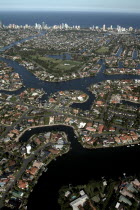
(46, 169)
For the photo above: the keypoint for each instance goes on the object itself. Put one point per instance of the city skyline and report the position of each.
(73, 5)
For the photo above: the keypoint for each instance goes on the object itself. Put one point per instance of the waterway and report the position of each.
(119, 52)
(135, 54)
(129, 103)
(79, 165)
(20, 41)
(30, 81)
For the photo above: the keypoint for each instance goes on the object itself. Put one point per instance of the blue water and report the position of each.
(135, 54)
(84, 19)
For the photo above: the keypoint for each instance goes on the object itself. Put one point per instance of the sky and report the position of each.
(71, 5)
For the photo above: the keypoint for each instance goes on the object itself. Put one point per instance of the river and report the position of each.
(79, 165)
(31, 81)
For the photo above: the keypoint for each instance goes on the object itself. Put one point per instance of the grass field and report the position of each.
(54, 65)
(103, 50)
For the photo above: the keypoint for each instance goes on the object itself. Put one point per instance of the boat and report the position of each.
(46, 169)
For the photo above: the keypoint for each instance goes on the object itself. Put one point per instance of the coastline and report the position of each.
(11, 90)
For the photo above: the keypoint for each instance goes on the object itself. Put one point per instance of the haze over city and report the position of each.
(73, 5)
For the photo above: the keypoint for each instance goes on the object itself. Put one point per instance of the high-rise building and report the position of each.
(63, 25)
(1, 25)
(66, 25)
(104, 27)
(130, 28)
(37, 26)
(43, 25)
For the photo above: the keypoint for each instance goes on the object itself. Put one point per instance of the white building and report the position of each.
(51, 121)
(59, 145)
(28, 148)
(78, 202)
(80, 98)
(104, 28)
(117, 205)
(81, 125)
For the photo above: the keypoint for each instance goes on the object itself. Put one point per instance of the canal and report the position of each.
(79, 165)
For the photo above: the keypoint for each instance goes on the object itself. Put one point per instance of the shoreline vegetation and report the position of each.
(61, 77)
(24, 184)
(103, 193)
(62, 153)
(78, 136)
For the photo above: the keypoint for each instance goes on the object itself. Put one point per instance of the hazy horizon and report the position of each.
(74, 11)
(128, 6)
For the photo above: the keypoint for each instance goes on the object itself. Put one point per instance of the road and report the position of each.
(21, 171)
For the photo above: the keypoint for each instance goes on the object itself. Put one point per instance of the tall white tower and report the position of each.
(104, 27)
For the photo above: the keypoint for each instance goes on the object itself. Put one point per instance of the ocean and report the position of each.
(84, 19)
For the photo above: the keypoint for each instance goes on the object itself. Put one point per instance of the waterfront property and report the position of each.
(103, 110)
